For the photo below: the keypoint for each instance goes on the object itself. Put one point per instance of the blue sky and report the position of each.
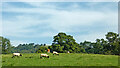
(38, 22)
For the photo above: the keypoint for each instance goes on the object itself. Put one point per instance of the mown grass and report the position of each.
(72, 59)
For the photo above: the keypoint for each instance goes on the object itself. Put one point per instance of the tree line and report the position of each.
(63, 43)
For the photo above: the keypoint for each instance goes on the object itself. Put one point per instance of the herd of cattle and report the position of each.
(41, 55)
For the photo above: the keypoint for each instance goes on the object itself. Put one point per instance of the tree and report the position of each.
(111, 37)
(98, 46)
(6, 45)
(63, 43)
(113, 42)
(26, 48)
(86, 46)
(42, 49)
(118, 44)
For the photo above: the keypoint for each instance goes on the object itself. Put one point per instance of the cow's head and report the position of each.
(20, 54)
(47, 56)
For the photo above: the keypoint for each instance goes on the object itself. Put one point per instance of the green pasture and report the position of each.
(64, 59)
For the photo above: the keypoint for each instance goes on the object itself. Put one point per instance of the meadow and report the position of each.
(64, 59)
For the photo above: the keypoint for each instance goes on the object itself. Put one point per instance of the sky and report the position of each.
(38, 22)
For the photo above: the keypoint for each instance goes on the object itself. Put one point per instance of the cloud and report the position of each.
(90, 37)
(45, 20)
(17, 42)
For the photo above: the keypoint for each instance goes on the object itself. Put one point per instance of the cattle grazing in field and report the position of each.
(44, 55)
(16, 54)
(56, 53)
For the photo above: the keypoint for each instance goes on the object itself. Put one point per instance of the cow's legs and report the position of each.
(18, 56)
(40, 56)
(13, 56)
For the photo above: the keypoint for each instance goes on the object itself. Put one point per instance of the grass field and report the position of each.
(61, 60)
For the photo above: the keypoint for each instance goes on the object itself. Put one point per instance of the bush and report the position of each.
(42, 49)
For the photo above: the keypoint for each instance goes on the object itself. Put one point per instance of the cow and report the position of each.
(16, 54)
(44, 55)
(56, 53)
(68, 52)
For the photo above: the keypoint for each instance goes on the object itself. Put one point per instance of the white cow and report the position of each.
(56, 53)
(44, 55)
(16, 54)
(68, 52)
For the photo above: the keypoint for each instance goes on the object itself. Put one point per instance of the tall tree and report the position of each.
(113, 45)
(63, 43)
(87, 46)
(42, 49)
(6, 45)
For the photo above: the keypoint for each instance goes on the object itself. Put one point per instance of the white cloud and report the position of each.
(90, 37)
(66, 19)
(17, 42)
(42, 5)
(59, 21)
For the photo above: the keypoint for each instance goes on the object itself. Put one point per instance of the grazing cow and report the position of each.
(44, 55)
(68, 52)
(56, 53)
(16, 54)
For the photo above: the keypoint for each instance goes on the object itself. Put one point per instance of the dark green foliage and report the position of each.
(101, 46)
(63, 43)
(114, 43)
(5, 45)
(29, 48)
(26, 48)
(42, 49)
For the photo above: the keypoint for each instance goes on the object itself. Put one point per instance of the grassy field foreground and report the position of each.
(72, 59)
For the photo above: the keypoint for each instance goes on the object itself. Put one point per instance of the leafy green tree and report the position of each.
(26, 48)
(63, 43)
(113, 45)
(97, 46)
(86, 45)
(118, 48)
(104, 43)
(101, 46)
(42, 49)
(5, 44)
